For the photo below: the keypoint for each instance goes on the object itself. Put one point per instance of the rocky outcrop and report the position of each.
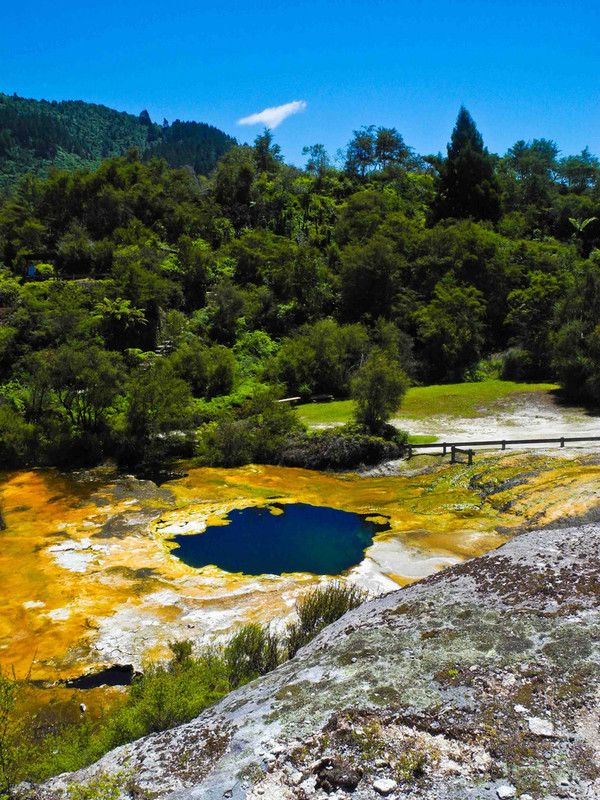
(478, 682)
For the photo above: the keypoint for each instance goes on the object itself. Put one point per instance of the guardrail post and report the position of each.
(562, 441)
(470, 457)
(445, 446)
(410, 450)
(453, 456)
(503, 444)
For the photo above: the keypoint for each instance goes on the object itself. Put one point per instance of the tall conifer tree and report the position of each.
(467, 185)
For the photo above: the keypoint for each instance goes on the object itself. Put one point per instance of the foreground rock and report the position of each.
(479, 682)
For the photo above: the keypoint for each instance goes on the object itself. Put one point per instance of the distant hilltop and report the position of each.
(36, 135)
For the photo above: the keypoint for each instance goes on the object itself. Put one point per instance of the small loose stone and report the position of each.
(506, 791)
(296, 778)
(541, 727)
(384, 786)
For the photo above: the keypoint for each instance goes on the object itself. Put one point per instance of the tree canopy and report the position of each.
(148, 312)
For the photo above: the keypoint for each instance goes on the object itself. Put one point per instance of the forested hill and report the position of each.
(36, 135)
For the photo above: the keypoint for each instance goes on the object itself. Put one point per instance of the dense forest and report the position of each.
(37, 135)
(169, 312)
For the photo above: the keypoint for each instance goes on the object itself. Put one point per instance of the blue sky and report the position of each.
(524, 69)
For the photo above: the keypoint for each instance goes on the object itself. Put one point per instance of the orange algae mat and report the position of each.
(87, 578)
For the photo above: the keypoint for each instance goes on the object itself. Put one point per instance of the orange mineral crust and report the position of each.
(88, 579)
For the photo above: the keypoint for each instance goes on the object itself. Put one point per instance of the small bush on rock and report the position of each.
(252, 651)
(320, 607)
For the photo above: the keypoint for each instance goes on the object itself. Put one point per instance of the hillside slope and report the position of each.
(36, 135)
(479, 682)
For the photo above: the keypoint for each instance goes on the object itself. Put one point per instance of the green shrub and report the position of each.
(102, 787)
(12, 754)
(344, 447)
(182, 651)
(167, 696)
(320, 607)
(16, 438)
(257, 432)
(228, 443)
(487, 369)
(518, 366)
(378, 387)
(252, 651)
(44, 270)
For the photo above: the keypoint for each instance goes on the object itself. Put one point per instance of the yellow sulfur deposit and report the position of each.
(87, 578)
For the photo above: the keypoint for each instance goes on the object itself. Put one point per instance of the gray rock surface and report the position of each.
(479, 678)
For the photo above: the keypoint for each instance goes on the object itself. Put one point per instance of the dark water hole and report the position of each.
(302, 538)
(118, 675)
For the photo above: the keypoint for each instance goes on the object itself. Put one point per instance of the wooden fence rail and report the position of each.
(455, 447)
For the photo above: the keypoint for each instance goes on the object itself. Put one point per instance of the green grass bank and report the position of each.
(453, 399)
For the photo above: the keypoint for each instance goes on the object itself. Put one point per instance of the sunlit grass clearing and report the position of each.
(452, 399)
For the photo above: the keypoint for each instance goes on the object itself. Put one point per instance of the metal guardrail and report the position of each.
(458, 447)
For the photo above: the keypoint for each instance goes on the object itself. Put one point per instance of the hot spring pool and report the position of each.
(279, 538)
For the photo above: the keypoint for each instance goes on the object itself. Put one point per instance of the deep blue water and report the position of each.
(304, 538)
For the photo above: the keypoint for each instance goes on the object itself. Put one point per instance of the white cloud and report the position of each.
(272, 117)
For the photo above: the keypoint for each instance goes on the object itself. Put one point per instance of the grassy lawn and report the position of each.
(326, 413)
(454, 399)
(466, 399)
